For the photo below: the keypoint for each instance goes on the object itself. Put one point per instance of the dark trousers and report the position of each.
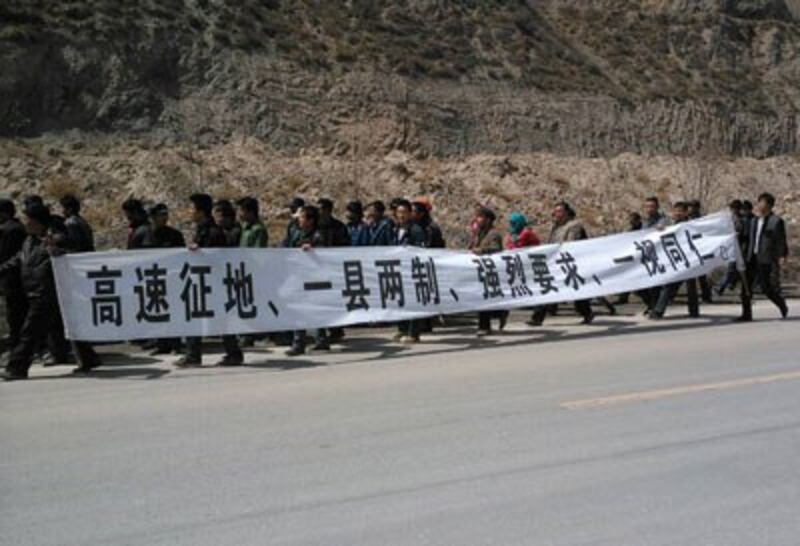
(582, 307)
(769, 277)
(41, 319)
(730, 279)
(410, 328)
(16, 309)
(299, 338)
(705, 288)
(194, 347)
(85, 354)
(668, 293)
(169, 344)
(485, 318)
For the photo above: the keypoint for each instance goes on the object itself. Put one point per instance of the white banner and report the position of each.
(114, 296)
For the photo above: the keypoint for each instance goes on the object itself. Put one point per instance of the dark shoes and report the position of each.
(322, 346)
(743, 318)
(188, 362)
(588, 319)
(784, 311)
(230, 360)
(296, 351)
(10, 375)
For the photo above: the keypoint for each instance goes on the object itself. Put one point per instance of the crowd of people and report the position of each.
(36, 330)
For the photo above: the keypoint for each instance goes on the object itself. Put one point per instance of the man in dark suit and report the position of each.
(765, 253)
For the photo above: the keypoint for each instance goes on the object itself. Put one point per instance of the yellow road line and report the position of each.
(678, 391)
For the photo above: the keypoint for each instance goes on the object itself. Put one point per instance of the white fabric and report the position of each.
(294, 289)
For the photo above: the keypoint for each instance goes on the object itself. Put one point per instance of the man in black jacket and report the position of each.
(208, 235)
(33, 268)
(137, 223)
(161, 235)
(78, 230)
(421, 215)
(407, 233)
(307, 237)
(766, 252)
(333, 231)
(225, 217)
(12, 236)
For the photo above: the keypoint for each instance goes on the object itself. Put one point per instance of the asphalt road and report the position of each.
(621, 433)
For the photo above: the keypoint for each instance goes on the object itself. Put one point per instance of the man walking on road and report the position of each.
(767, 251)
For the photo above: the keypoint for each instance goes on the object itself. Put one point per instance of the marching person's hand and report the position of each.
(783, 262)
(193, 247)
(306, 246)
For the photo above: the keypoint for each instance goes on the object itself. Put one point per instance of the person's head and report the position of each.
(31, 200)
(765, 204)
(563, 212)
(747, 207)
(375, 212)
(202, 205)
(420, 212)
(248, 210)
(224, 213)
(36, 219)
(651, 206)
(133, 210)
(485, 218)
(308, 218)
(295, 205)
(159, 215)
(402, 212)
(70, 205)
(7, 209)
(735, 206)
(680, 211)
(325, 208)
(393, 207)
(635, 220)
(695, 208)
(517, 222)
(354, 211)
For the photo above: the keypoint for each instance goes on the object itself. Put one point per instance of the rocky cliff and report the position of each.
(515, 99)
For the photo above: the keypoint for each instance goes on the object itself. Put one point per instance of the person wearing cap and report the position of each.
(78, 229)
(12, 237)
(485, 240)
(381, 228)
(208, 234)
(332, 230)
(137, 223)
(421, 215)
(254, 233)
(356, 228)
(566, 227)
(519, 235)
(295, 205)
(32, 266)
